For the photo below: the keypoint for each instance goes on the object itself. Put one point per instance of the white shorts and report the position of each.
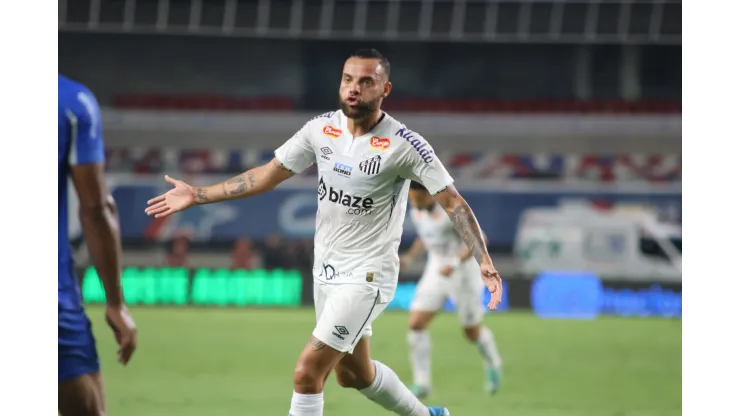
(345, 312)
(464, 287)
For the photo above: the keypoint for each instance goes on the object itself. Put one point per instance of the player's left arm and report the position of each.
(465, 223)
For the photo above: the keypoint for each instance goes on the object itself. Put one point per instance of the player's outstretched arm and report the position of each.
(250, 183)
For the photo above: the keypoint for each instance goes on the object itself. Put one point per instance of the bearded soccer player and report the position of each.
(81, 157)
(365, 160)
(451, 271)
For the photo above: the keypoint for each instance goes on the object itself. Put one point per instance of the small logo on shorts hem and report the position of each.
(341, 331)
(369, 276)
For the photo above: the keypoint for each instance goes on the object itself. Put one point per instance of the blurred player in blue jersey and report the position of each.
(81, 158)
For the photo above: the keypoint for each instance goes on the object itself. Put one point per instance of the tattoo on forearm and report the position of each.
(241, 185)
(316, 344)
(200, 195)
(242, 182)
(466, 225)
(236, 179)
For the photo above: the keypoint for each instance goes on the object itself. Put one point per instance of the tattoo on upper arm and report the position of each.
(467, 226)
(200, 195)
(316, 344)
(250, 178)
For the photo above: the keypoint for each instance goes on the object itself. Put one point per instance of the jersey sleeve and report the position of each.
(420, 164)
(86, 131)
(297, 153)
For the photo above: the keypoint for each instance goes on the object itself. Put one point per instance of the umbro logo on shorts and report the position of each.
(340, 332)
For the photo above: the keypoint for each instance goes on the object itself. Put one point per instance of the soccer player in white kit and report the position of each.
(365, 160)
(451, 271)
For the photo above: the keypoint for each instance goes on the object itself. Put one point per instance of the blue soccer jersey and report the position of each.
(80, 142)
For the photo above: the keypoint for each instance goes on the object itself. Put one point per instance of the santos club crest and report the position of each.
(371, 166)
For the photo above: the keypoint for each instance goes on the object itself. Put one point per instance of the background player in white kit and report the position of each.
(365, 159)
(451, 271)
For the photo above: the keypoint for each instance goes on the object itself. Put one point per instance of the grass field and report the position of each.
(239, 362)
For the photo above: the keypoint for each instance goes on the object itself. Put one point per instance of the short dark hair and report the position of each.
(372, 53)
(417, 186)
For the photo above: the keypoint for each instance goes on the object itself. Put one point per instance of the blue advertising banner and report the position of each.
(567, 295)
(291, 212)
(573, 296)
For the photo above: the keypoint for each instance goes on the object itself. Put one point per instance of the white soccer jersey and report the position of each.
(436, 231)
(362, 194)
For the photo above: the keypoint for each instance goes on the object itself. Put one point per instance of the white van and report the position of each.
(626, 242)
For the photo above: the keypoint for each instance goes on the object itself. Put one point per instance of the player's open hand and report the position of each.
(124, 328)
(179, 198)
(493, 282)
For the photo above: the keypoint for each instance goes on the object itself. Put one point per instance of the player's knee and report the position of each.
(417, 326)
(349, 379)
(472, 333)
(307, 380)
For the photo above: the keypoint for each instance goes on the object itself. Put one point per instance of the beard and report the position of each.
(360, 110)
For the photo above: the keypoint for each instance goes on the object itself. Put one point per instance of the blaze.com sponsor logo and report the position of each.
(356, 205)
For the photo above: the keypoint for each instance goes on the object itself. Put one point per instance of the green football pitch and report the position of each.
(216, 362)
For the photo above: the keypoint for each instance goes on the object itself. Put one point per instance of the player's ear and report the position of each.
(387, 89)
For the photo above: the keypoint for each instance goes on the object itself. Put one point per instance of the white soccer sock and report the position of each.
(487, 347)
(420, 346)
(307, 404)
(388, 391)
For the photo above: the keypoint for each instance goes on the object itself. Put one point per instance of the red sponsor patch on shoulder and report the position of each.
(332, 131)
